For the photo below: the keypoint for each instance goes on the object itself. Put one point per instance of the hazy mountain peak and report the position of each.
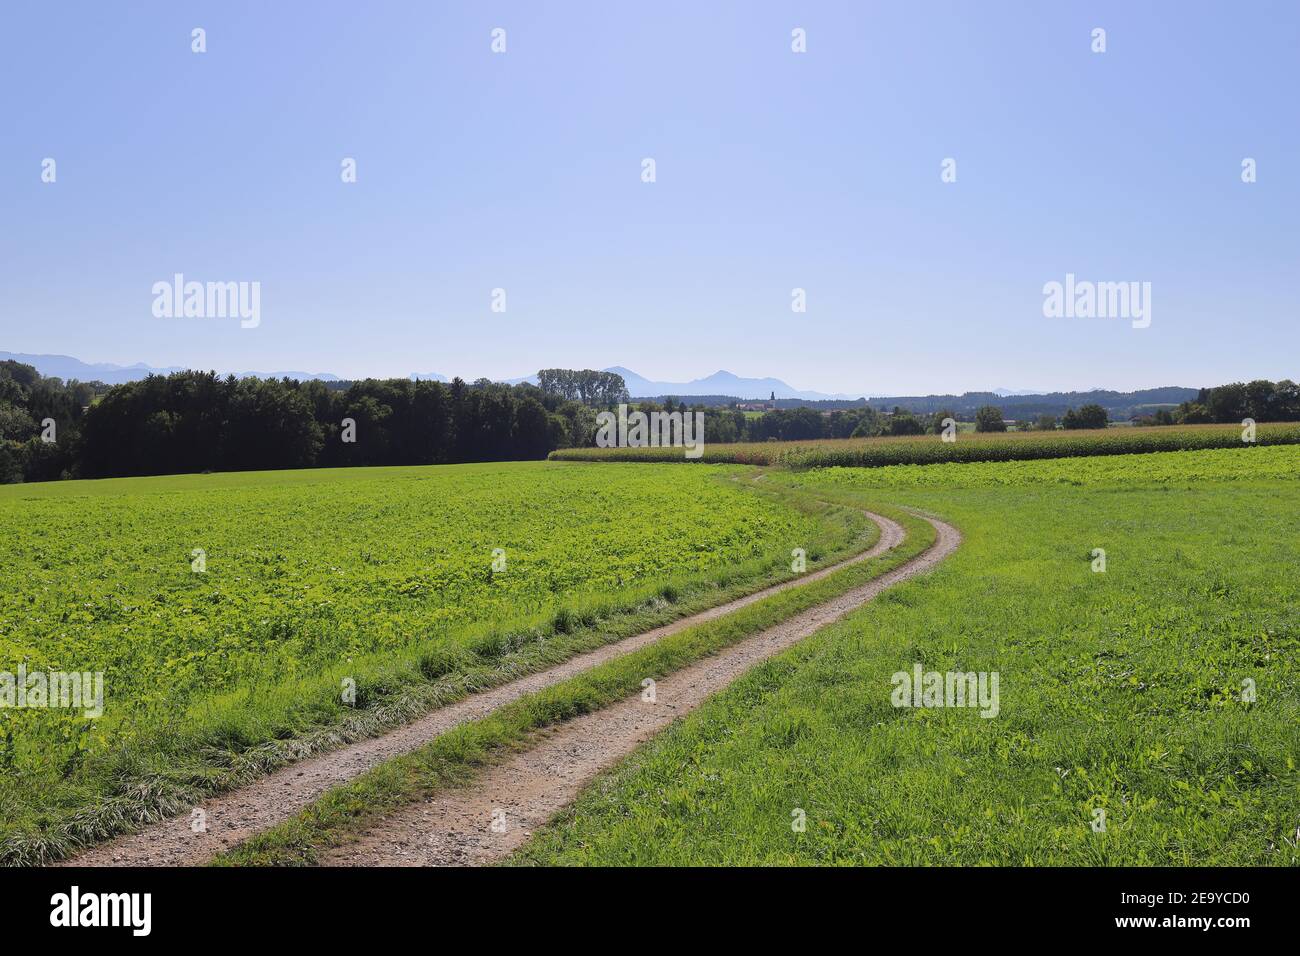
(67, 368)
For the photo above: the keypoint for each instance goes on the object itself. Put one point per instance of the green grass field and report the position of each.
(382, 576)
(1162, 691)
(1127, 691)
(969, 446)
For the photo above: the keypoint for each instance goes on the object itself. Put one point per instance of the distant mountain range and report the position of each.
(720, 382)
(66, 367)
(1017, 403)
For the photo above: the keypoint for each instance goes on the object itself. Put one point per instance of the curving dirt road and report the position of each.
(495, 815)
(239, 814)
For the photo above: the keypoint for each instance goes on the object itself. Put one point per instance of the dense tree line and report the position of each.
(200, 421)
(1261, 400)
(197, 421)
(808, 424)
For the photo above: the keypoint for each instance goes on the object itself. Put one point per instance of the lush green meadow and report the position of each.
(1164, 690)
(969, 446)
(383, 576)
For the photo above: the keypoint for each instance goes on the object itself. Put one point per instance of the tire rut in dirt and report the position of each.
(456, 827)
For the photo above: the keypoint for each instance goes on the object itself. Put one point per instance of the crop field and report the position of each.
(1145, 710)
(969, 446)
(1148, 702)
(226, 611)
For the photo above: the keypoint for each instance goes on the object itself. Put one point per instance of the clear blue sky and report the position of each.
(775, 170)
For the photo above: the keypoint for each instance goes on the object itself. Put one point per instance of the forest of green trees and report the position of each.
(198, 421)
